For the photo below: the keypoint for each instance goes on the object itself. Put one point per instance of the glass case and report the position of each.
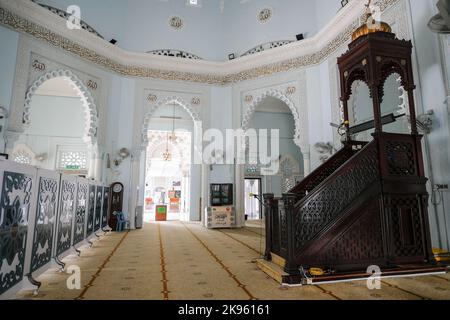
(221, 195)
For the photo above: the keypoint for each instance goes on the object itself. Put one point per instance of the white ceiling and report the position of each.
(57, 87)
(211, 31)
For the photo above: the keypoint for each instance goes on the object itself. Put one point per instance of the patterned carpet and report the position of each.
(174, 260)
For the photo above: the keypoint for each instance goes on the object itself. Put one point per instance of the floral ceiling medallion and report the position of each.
(176, 23)
(265, 15)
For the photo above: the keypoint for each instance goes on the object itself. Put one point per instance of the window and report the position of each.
(22, 158)
(23, 154)
(73, 160)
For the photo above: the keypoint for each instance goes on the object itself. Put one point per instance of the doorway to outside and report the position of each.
(168, 176)
(253, 208)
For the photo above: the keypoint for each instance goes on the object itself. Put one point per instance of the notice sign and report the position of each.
(161, 213)
(221, 217)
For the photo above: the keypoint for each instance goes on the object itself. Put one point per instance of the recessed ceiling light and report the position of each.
(194, 3)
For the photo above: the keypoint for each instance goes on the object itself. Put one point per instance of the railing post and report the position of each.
(289, 202)
(268, 212)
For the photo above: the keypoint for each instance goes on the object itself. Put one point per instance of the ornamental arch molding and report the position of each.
(282, 97)
(90, 109)
(169, 100)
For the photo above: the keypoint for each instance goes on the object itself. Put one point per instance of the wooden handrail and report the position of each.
(325, 170)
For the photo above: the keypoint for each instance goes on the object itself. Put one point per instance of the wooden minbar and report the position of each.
(368, 204)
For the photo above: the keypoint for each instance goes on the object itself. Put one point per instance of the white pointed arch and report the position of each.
(280, 96)
(91, 112)
(169, 100)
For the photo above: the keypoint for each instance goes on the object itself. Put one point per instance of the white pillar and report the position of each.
(205, 192)
(134, 185)
(240, 195)
(306, 152)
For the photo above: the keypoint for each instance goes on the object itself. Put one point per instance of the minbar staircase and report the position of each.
(366, 206)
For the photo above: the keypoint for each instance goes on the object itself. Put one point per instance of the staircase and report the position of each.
(367, 205)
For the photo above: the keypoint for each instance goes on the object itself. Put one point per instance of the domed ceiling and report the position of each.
(207, 29)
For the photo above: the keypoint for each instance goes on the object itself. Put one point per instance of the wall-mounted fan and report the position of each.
(440, 23)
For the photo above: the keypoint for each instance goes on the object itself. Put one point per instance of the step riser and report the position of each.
(272, 270)
(278, 260)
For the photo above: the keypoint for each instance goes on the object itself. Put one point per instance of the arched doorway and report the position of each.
(273, 113)
(60, 126)
(172, 180)
(168, 174)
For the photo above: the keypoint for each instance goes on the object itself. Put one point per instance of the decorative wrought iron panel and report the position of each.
(15, 205)
(105, 207)
(91, 211)
(80, 213)
(66, 207)
(98, 207)
(46, 211)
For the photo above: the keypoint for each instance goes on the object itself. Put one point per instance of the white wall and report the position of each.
(55, 122)
(123, 93)
(431, 95)
(221, 119)
(8, 53)
(57, 116)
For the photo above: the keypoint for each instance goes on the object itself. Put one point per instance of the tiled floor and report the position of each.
(175, 260)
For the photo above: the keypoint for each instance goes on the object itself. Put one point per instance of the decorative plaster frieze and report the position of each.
(221, 77)
(274, 93)
(168, 100)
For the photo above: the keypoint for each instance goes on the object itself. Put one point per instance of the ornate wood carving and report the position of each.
(365, 207)
(323, 205)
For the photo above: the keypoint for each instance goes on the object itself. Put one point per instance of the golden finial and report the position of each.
(370, 26)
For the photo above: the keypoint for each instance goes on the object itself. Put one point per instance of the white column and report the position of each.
(134, 185)
(240, 195)
(306, 152)
(92, 154)
(205, 192)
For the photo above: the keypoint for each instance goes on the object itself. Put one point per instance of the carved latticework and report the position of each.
(322, 207)
(362, 240)
(363, 206)
(407, 225)
(283, 227)
(324, 171)
(400, 158)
